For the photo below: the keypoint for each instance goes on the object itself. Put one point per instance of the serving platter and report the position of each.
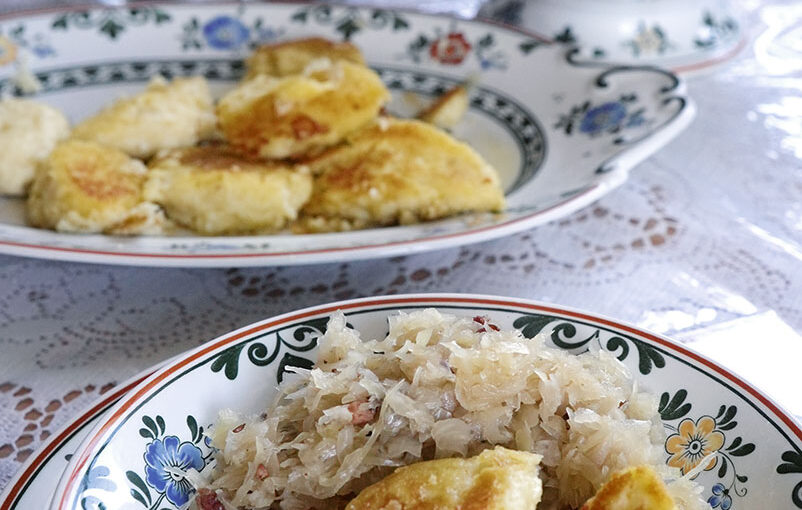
(562, 131)
(705, 408)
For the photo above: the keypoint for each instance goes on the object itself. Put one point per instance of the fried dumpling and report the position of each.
(87, 187)
(295, 115)
(498, 479)
(215, 190)
(291, 57)
(398, 171)
(166, 115)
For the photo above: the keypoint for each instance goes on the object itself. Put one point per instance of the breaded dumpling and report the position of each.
(636, 488)
(497, 479)
(292, 57)
(214, 190)
(398, 171)
(28, 132)
(163, 116)
(283, 117)
(87, 187)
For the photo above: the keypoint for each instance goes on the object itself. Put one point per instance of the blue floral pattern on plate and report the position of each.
(720, 498)
(225, 33)
(165, 459)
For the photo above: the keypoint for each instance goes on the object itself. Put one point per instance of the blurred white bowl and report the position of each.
(679, 34)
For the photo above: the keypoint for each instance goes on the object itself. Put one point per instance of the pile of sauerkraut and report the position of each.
(438, 386)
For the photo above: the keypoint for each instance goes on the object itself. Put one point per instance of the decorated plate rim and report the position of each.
(124, 408)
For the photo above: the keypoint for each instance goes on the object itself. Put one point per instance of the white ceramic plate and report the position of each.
(561, 132)
(682, 35)
(37, 477)
(760, 455)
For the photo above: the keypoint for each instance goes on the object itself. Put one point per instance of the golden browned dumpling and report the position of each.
(637, 488)
(87, 187)
(214, 190)
(284, 117)
(163, 116)
(398, 171)
(292, 57)
(28, 132)
(497, 479)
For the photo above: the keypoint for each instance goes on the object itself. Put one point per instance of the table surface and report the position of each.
(703, 243)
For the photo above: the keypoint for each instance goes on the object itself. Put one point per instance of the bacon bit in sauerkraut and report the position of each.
(238, 428)
(207, 500)
(438, 386)
(261, 472)
(484, 321)
(361, 412)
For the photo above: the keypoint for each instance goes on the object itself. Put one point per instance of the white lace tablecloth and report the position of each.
(703, 243)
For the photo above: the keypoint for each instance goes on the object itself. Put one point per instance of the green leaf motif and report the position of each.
(228, 361)
(147, 434)
(192, 424)
(151, 425)
(60, 23)
(161, 16)
(110, 22)
(648, 357)
(615, 343)
(312, 327)
(722, 471)
(792, 464)
(348, 27)
(526, 47)
(746, 449)
(531, 325)
(399, 23)
(111, 28)
(676, 407)
(144, 493)
(290, 360)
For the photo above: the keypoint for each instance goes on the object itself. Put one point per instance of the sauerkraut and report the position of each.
(438, 386)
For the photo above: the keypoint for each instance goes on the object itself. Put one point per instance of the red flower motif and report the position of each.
(451, 49)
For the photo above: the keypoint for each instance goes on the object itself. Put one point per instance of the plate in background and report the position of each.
(561, 131)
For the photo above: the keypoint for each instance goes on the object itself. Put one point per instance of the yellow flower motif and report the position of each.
(8, 51)
(693, 442)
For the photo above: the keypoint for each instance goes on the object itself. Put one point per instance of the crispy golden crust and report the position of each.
(497, 479)
(398, 171)
(292, 57)
(163, 116)
(637, 488)
(217, 191)
(285, 117)
(86, 187)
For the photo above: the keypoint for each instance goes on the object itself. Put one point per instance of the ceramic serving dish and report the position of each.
(562, 131)
(682, 35)
(125, 461)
